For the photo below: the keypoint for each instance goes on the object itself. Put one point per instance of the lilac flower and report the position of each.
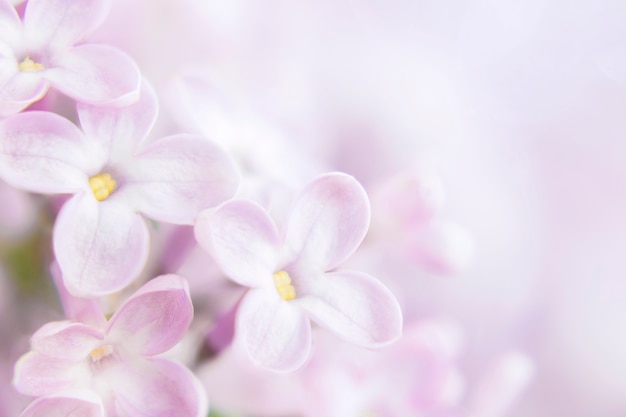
(114, 370)
(100, 239)
(42, 51)
(292, 276)
(408, 219)
(417, 376)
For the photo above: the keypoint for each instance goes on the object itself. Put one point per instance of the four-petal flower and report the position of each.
(293, 277)
(114, 371)
(42, 51)
(100, 239)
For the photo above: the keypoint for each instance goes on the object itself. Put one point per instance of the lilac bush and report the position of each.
(312, 208)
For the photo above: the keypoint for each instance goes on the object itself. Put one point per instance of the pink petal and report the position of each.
(120, 130)
(8, 67)
(328, 221)
(65, 340)
(96, 74)
(83, 310)
(100, 246)
(158, 388)
(275, 333)
(407, 201)
(176, 177)
(19, 91)
(243, 240)
(44, 152)
(355, 306)
(9, 22)
(37, 374)
(83, 403)
(61, 23)
(155, 318)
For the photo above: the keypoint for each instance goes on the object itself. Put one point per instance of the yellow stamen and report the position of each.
(28, 65)
(101, 352)
(282, 280)
(102, 186)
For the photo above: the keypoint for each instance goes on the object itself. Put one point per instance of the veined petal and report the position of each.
(353, 305)
(100, 246)
(328, 221)
(174, 178)
(96, 74)
(37, 374)
(43, 152)
(155, 318)
(61, 23)
(158, 388)
(243, 240)
(65, 340)
(21, 90)
(276, 334)
(83, 403)
(120, 130)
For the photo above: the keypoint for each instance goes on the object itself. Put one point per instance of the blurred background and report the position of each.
(504, 120)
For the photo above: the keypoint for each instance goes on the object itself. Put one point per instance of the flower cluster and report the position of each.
(117, 178)
(200, 249)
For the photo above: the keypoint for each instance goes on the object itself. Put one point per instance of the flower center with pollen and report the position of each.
(282, 280)
(100, 352)
(28, 65)
(102, 186)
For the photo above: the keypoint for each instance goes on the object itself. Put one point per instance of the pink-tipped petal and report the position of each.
(155, 318)
(20, 91)
(176, 177)
(243, 240)
(83, 403)
(65, 340)
(158, 388)
(37, 374)
(353, 305)
(328, 221)
(83, 310)
(60, 23)
(100, 246)
(96, 74)
(120, 130)
(276, 334)
(43, 152)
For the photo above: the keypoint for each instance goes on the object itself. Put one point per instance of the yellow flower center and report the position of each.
(28, 65)
(100, 352)
(282, 280)
(102, 186)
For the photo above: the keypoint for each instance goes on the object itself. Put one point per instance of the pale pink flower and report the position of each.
(416, 376)
(114, 370)
(42, 51)
(100, 238)
(293, 276)
(408, 221)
